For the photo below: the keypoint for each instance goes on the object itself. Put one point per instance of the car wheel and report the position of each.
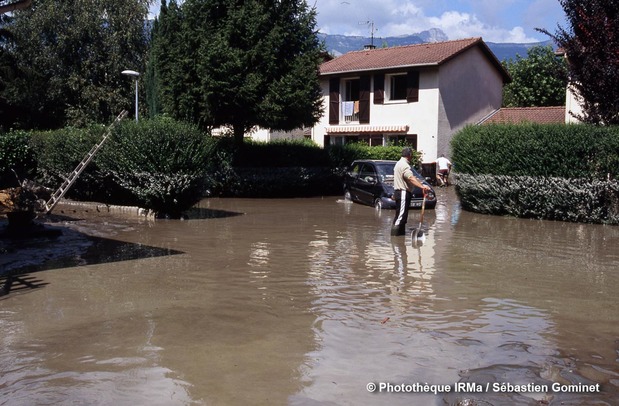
(378, 204)
(347, 196)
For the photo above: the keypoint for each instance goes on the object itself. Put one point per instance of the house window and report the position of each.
(408, 139)
(396, 87)
(351, 90)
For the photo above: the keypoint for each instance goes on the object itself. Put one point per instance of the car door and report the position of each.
(367, 184)
(350, 180)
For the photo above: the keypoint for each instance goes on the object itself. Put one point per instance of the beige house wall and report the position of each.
(470, 88)
(572, 106)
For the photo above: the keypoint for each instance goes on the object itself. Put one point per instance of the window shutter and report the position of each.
(334, 101)
(364, 99)
(379, 88)
(412, 86)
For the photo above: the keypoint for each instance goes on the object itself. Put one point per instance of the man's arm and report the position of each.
(416, 182)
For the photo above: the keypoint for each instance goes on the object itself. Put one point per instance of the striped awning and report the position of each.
(356, 129)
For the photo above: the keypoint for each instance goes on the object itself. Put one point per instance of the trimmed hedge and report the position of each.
(551, 198)
(555, 172)
(288, 168)
(161, 162)
(567, 151)
(166, 166)
(342, 155)
(59, 152)
(15, 155)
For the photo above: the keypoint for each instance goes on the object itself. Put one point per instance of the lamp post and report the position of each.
(136, 75)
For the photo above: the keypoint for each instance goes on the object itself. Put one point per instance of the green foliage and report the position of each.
(66, 59)
(58, 152)
(342, 155)
(280, 153)
(538, 80)
(590, 43)
(15, 155)
(567, 151)
(163, 163)
(237, 63)
(295, 181)
(551, 198)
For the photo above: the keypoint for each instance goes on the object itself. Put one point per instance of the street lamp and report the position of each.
(136, 75)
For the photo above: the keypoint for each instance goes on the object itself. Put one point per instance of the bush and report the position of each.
(286, 168)
(15, 155)
(567, 151)
(278, 154)
(342, 155)
(551, 198)
(163, 163)
(59, 152)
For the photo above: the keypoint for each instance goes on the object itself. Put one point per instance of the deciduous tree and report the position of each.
(538, 80)
(591, 44)
(68, 58)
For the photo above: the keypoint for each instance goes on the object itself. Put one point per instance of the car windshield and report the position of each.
(385, 171)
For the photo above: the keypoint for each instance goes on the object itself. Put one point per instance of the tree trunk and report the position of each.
(239, 133)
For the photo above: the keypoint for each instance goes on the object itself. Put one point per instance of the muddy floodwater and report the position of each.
(310, 302)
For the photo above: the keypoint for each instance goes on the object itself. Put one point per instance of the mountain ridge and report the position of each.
(340, 44)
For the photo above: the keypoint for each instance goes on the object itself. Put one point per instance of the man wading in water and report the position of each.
(403, 182)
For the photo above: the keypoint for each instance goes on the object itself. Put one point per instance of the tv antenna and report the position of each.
(369, 23)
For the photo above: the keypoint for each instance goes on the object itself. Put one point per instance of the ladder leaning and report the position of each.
(49, 206)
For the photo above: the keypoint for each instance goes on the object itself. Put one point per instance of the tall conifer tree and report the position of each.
(242, 63)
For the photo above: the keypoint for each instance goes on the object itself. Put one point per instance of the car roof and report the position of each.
(376, 161)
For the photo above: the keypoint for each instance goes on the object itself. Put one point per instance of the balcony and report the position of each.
(349, 111)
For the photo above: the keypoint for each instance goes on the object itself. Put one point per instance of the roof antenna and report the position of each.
(371, 24)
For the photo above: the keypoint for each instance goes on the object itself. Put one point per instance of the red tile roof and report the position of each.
(539, 115)
(430, 54)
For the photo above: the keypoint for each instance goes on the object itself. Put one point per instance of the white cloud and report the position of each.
(397, 17)
(484, 18)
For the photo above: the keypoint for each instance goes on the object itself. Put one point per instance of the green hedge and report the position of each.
(287, 168)
(161, 162)
(59, 152)
(166, 166)
(555, 172)
(567, 151)
(551, 198)
(341, 156)
(15, 155)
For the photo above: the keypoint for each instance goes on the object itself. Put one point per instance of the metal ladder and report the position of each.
(49, 206)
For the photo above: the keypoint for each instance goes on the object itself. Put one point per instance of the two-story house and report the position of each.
(422, 94)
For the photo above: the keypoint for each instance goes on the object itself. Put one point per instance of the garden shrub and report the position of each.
(58, 153)
(341, 156)
(567, 151)
(280, 153)
(15, 155)
(163, 163)
(555, 172)
(551, 198)
(287, 168)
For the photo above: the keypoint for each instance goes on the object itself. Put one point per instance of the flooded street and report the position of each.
(308, 302)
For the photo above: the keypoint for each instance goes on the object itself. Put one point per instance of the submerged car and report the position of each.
(371, 182)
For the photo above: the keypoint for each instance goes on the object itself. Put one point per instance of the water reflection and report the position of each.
(306, 301)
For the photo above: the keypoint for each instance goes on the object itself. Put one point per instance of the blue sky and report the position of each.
(494, 20)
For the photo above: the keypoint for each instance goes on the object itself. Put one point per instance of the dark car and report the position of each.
(371, 182)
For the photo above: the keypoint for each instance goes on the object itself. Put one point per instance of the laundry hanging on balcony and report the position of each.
(347, 108)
